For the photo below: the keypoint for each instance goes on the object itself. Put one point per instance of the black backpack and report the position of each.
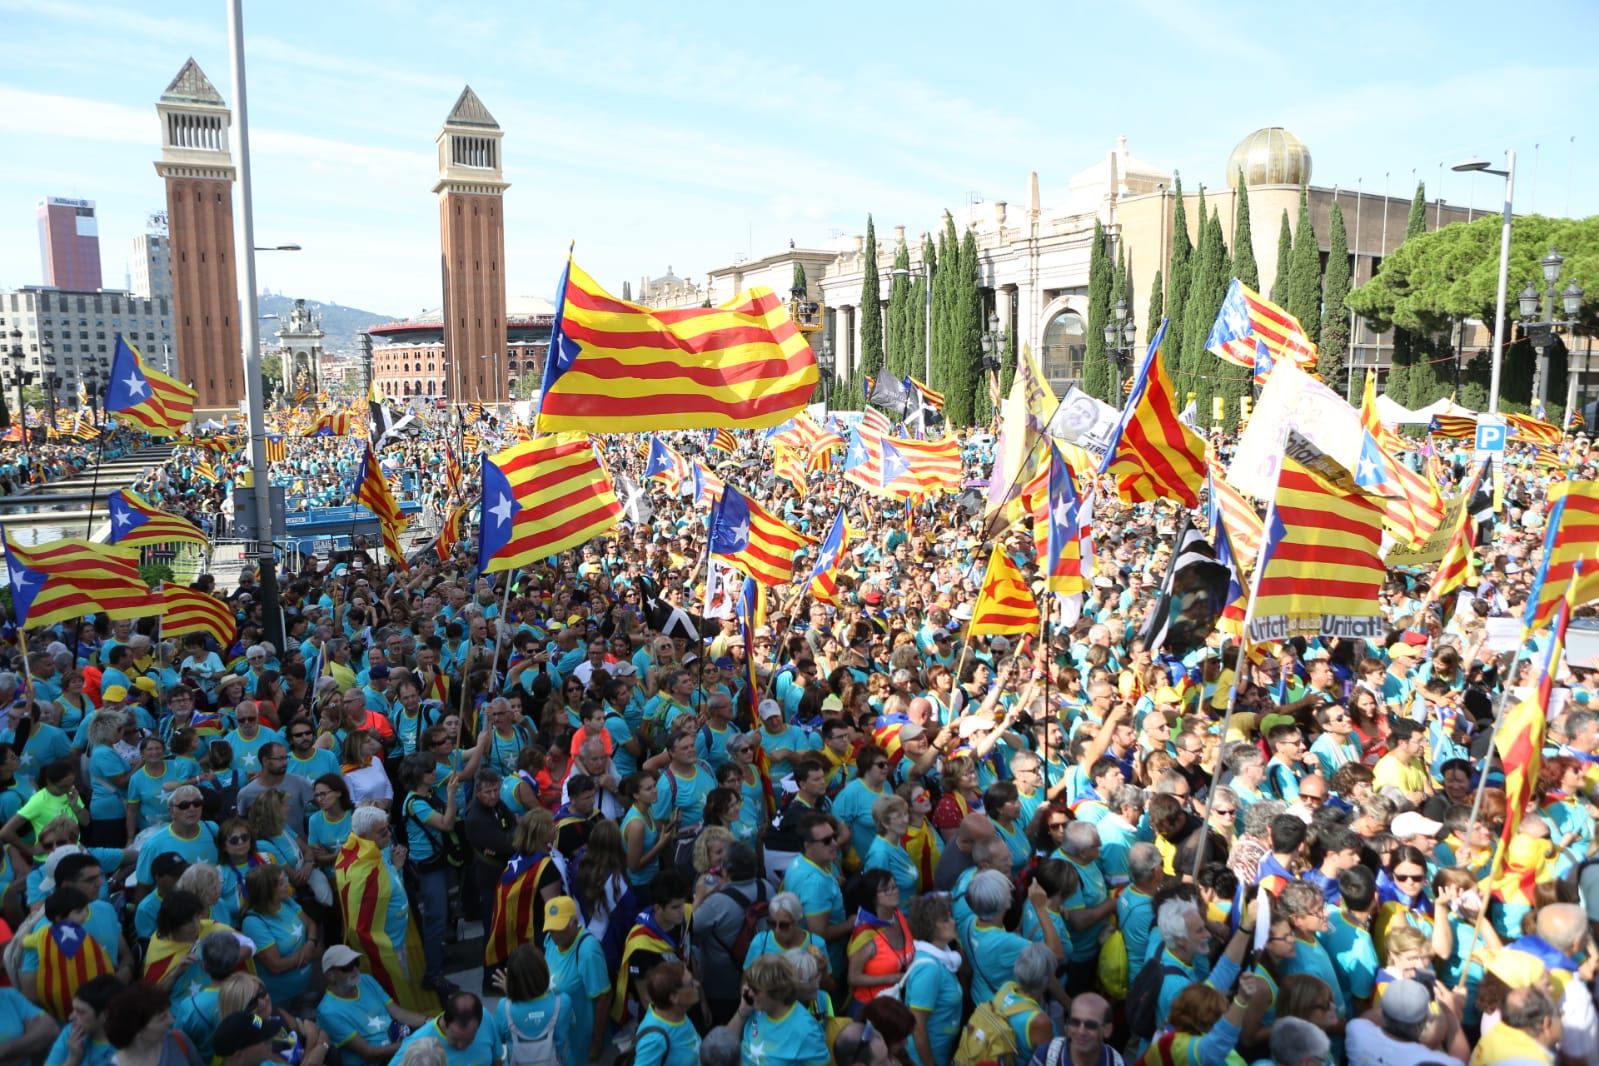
(219, 801)
(1143, 997)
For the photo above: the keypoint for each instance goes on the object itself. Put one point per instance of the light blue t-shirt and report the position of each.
(581, 973)
(819, 893)
(284, 930)
(666, 1042)
(1312, 958)
(854, 808)
(791, 1039)
(686, 794)
(105, 798)
(897, 861)
(325, 834)
(322, 761)
(483, 1051)
(95, 1052)
(1091, 892)
(1353, 955)
(147, 794)
(1134, 916)
(993, 953)
(15, 1014)
(932, 988)
(247, 753)
(531, 1019)
(365, 1016)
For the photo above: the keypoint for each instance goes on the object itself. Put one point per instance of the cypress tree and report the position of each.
(871, 363)
(1334, 347)
(960, 405)
(1205, 294)
(899, 297)
(918, 310)
(1181, 270)
(1304, 272)
(1096, 364)
(1409, 348)
(1433, 376)
(1182, 367)
(945, 284)
(1244, 268)
(1157, 306)
(1285, 255)
(799, 281)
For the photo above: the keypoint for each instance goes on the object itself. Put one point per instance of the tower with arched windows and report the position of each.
(471, 190)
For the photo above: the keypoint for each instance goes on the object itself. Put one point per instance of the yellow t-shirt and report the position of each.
(1405, 776)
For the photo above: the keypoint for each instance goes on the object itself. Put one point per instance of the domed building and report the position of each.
(1034, 254)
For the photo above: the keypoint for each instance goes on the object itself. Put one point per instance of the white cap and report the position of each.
(770, 708)
(1414, 824)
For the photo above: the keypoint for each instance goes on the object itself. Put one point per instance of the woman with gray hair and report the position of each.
(786, 930)
(809, 973)
(204, 879)
(991, 948)
(1020, 1000)
(1296, 1042)
(389, 940)
(108, 781)
(1254, 840)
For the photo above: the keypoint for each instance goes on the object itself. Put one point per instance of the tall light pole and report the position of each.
(1509, 174)
(261, 484)
(927, 317)
(824, 369)
(1542, 333)
(1119, 346)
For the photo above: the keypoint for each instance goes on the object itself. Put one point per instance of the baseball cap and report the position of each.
(243, 1029)
(624, 670)
(379, 673)
(559, 913)
(1401, 650)
(873, 598)
(999, 644)
(910, 731)
(770, 709)
(114, 694)
(726, 663)
(147, 684)
(338, 956)
(1406, 1002)
(1414, 824)
(832, 703)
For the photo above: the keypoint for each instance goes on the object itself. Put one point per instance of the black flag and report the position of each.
(1193, 595)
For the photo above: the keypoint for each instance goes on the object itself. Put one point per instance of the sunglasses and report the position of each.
(1082, 1023)
(1410, 877)
(186, 805)
(827, 841)
(241, 719)
(237, 838)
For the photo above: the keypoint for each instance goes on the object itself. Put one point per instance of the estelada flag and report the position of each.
(68, 957)
(186, 610)
(614, 366)
(646, 936)
(516, 907)
(1005, 604)
(744, 535)
(372, 913)
(137, 524)
(1152, 454)
(542, 497)
(1571, 534)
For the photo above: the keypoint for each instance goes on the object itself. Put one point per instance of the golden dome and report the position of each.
(1270, 156)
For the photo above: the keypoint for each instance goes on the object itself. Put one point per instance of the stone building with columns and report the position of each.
(1033, 255)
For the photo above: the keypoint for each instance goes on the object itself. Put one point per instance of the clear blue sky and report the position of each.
(686, 134)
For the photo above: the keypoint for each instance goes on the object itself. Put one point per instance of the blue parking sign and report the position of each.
(1490, 436)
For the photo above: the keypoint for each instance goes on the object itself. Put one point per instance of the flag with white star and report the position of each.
(134, 394)
(136, 523)
(541, 497)
(63, 580)
(759, 544)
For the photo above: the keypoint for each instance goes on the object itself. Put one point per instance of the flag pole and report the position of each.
(1242, 653)
(94, 485)
(1043, 635)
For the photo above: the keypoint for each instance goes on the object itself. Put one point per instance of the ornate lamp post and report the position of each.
(1119, 332)
(1542, 332)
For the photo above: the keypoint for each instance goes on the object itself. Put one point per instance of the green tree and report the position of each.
(944, 300)
(271, 374)
(1244, 268)
(799, 281)
(1334, 348)
(1285, 256)
(1410, 347)
(1096, 363)
(1183, 372)
(960, 405)
(871, 363)
(1201, 369)
(1304, 272)
(1157, 306)
(919, 323)
(899, 298)
(1177, 282)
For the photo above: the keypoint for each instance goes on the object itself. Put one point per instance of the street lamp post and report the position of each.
(1509, 174)
(18, 373)
(993, 347)
(1119, 346)
(1542, 333)
(927, 317)
(824, 369)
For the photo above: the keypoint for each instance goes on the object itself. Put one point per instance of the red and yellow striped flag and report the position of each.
(1572, 532)
(1321, 572)
(1457, 568)
(543, 497)
(1005, 604)
(1153, 455)
(366, 890)
(721, 440)
(135, 523)
(935, 400)
(186, 610)
(830, 555)
(68, 958)
(516, 904)
(1413, 507)
(1244, 526)
(1532, 430)
(64, 579)
(450, 534)
(1453, 427)
(789, 464)
(745, 536)
(177, 399)
(615, 366)
(372, 491)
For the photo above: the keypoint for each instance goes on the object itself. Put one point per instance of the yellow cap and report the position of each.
(559, 913)
(114, 694)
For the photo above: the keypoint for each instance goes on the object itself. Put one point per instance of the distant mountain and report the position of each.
(340, 323)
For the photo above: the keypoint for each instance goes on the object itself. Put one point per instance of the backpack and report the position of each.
(896, 990)
(754, 922)
(1114, 967)
(625, 1058)
(219, 802)
(988, 1037)
(1143, 997)
(539, 1050)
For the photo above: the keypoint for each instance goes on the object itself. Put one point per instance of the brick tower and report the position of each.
(198, 167)
(472, 253)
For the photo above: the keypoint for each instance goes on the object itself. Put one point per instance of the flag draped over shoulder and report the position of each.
(1571, 534)
(1251, 331)
(614, 366)
(64, 579)
(146, 399)
(516, 905)
(1321, 570)
(136, 523)
(1152, 455)
(542, 497)
(186, 610)
(1413, 507)
(1005, 604)
(375, 909)
(68, 958)
(372, 491)
(745, 536)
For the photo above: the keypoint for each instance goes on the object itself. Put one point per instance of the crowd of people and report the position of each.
(856, 834)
